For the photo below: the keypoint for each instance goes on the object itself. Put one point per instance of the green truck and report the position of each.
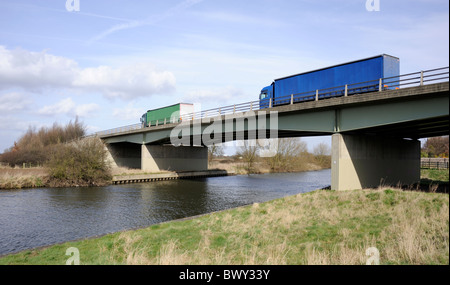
(166, 115)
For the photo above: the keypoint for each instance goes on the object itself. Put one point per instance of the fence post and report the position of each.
(234, 108)
(380, 85)
(346, 90)
(251, 106)
(317, 94)
(270, 103)
(292, 99)
(421, 78)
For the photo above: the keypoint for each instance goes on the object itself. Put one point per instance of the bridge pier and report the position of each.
(156, 158)
(361, 161)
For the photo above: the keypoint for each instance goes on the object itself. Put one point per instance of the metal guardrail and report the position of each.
(389, 83)
(119, 130)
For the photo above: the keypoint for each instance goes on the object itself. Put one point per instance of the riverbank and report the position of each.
(432, 180)
(320, 227)
(261, 166)
(18, 178)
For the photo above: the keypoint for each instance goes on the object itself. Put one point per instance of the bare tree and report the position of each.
(249, 153)
(214, 151)
(287, 150)
(322, 154)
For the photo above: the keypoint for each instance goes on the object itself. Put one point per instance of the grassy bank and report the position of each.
(261, 166)
(321, 227)
(435, 175)
(16, 178)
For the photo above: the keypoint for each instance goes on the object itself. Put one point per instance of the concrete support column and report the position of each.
(183, 158)
(359, 162)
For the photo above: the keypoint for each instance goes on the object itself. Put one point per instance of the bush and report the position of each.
(34, 146)
(81, 163)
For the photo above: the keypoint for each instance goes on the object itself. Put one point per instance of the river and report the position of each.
(31, 218)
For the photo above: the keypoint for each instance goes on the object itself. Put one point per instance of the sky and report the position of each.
(107, 62)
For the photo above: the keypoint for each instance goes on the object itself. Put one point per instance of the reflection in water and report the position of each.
(37, 217)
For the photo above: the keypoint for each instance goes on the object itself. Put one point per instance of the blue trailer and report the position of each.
(357, 77)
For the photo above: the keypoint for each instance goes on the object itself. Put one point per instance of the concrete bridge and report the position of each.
(374, 135)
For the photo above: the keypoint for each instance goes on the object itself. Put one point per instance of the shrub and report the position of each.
(33, 147)
(81, 163)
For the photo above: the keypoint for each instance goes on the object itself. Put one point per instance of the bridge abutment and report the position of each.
(156, 158)
(124, 155)
(359, 162)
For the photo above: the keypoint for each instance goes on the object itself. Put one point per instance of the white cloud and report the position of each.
(86, 110)
(128, 113)
(35, 71)
(68, 106)
(13, 102)
(126, 82)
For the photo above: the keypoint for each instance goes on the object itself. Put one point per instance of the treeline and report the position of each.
(35, 145)
(69, 159)
(282, 155)
(436, 147)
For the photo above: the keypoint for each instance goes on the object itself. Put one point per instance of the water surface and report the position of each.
(36, 217)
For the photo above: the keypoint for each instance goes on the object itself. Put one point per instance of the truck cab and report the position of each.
(144, 120)
(264, 97)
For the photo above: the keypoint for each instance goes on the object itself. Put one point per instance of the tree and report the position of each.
(214, 151)
(436, 147)
(34, 146)
(287, 150)
(82, 162)
(322, 154)
(249, 153)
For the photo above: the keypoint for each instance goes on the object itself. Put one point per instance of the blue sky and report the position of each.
(111, 61)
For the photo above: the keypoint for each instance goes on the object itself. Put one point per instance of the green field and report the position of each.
(435, 174)
(321, 227)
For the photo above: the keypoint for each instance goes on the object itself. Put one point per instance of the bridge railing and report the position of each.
(389, 83)
(418, 78)
(119, 130)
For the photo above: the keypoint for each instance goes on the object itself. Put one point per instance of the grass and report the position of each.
(16, 178)
(321, 227)
(260, 166)
(435, 174)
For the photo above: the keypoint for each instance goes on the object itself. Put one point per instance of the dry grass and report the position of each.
(238, 167)
(322, 228)
(16, 178)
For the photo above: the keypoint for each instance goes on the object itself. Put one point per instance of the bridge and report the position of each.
(374, 135)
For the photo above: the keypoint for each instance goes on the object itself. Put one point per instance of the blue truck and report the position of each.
(349, 78)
